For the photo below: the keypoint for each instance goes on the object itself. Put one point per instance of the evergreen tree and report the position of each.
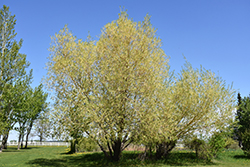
(243, 118)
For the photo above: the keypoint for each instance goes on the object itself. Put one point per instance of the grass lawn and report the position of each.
(57, 156)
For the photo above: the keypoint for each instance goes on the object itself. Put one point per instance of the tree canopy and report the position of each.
(19, 103)
(12, 70)
(119, 89)
(243, 126)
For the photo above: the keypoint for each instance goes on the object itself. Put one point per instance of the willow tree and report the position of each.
(107, 88)
(197, 101)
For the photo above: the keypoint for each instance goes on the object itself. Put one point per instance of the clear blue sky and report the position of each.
(212, 33)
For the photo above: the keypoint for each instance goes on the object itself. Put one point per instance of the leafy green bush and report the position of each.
(210, 149)
(217, 143)
(231, 143)
(205, 152)
(86, 144)
(195, 144)
(246, 142)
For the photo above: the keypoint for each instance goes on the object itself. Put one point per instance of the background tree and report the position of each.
(39, 107)
(217, 143)
(243, 125)
(23, 94)
(43, 126)
(12, 69)
(195, 144)
(30, 104)
(68, 124)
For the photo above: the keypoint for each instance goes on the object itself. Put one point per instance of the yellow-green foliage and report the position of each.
(86, 144)
(113, 82)
(195, 101)
(230, 143)
(119, 89)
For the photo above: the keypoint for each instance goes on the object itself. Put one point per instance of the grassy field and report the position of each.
(57, 156)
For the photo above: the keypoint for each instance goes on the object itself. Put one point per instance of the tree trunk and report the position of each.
(1, 145)
(143, 155)
(27, 138)
(22, 142)
(19, 140)
(163, 149)
(117, 150)
(26, 142)
(196, 152)
(101, 147)
(27, 135)
(159, 151)
(4, 141)
(74, 142)
(240, 143)
(72, 146)
(41, 138)
(103, 150)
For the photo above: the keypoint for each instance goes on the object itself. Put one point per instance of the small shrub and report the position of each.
(217, 143)
(86, 144)
(231, 143)
(205, 152)
(210, 149)
(195, 144)
(234, 146)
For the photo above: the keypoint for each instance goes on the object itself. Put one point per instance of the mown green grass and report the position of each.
(57, 156)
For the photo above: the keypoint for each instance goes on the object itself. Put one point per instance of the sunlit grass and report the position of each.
(57, 156)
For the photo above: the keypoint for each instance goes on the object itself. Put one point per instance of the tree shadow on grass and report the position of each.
(30, 148)
(14, 149)
(241, 157)
(185, 159)
(88, 160)
(174, 159)
(67, 153)
(128, 159)
(48, 162)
